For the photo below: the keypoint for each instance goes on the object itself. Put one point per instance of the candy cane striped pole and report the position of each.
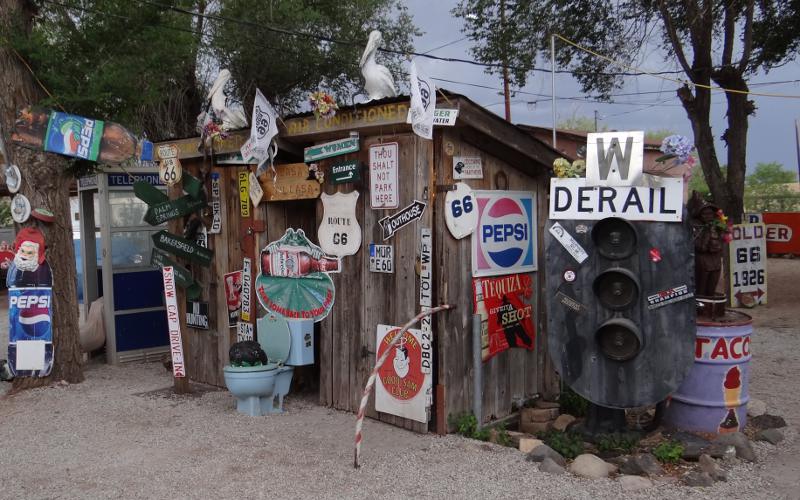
(371, 381)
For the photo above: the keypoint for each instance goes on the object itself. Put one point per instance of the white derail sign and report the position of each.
(339, 233)
(383, 167)
(614, 158)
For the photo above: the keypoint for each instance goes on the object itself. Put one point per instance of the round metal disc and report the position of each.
(20, 208)
(616, 289)
(619, 339)
(614, 238)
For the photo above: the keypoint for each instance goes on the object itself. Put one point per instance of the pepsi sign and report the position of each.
(29, 314)
(505, 240)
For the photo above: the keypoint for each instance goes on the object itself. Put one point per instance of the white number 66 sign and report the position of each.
(460, 212)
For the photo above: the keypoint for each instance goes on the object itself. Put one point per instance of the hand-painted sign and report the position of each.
(381, 258)
(574, 199)
(294, 281)
(30, 334)
(460, 214)
(401, 387)
(346, 171)
(467, 167)
(256, 193)
(293, 181)
(392, 223)
(426, 297)
(170, 171)
(507, 300)
(244, 194)
(182, 247)
(247, 285)
(233, 294)
(192, 185)
(149, 193)
(352, 119)
(383, 175)
(748, 254)
(568, 242)
(197, 315)
(216, 205)
(614, 158)
(162, 212)
(505, 238)
(183, 277)
(173, 323)
(329, 149)
(339, 233)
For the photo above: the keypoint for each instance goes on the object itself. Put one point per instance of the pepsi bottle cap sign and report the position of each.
(505, 238)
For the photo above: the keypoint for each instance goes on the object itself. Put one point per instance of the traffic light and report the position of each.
(620, 312)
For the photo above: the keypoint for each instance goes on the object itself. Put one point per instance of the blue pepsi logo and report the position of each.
(505, 232)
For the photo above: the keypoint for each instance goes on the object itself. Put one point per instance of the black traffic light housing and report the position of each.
(621, 324)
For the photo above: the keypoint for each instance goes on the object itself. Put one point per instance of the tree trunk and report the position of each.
(45, 185)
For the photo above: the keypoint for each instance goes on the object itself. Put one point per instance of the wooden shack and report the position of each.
(345, 340)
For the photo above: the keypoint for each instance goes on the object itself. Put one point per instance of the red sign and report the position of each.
(782, 232)
(401, 374)
(506, 300)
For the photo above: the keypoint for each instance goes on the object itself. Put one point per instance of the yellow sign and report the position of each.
(386, 114)
(291, 183)
(244, 193)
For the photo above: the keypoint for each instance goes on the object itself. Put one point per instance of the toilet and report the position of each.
(287, 344)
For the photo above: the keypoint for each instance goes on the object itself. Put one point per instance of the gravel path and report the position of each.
(121, 434)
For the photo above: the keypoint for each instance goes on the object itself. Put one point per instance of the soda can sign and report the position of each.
(505, 238)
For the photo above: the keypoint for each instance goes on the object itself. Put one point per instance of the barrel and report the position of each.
(713, 397)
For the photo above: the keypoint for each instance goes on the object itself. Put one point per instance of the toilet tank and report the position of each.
(302, 350)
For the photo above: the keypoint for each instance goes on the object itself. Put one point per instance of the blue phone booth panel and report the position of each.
(141, 330)
(138, 290)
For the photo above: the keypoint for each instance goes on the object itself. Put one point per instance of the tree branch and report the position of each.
(672, 33)
(747, 36)
(729, 28)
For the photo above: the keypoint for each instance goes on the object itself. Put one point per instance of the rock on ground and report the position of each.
(697, 478)
(773, 436)
(543, 451)
(756, 407)
(634, 483)
(744, 449)
(767, 421)
(562, 422)
(709, 466)
(641, 464)
(591, 467)
(550, 467)
(526, 445)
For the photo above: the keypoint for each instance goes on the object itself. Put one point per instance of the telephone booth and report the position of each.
(115, 245)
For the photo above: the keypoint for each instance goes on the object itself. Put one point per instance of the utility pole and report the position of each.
(595, 120)
(506, 93)
(553, 82)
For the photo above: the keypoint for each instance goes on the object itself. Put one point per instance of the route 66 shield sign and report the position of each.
(170, 171)
(339, 234)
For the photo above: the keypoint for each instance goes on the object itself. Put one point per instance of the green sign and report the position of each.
(192, 185)
(162, 212)
(334, 148)
(183, 277)
(346, 171)
(149, 193)
(182, 247)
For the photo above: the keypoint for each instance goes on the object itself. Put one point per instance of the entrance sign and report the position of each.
(197, 315)
(383, 167)
(381, 258)
(572, 199)
(182, 247)
(460, 214)
(339, 233)
(329, 149)
(244, 194)
(162, 212)
(505, 238)
(292, 182)
(748, 254)
(346, 171)
(216, 205)
(247, 285)
(614, 158)
(425, 297)
(507, 299)
(392, 223)
(173, 323)
(467, 167)
(401, 385)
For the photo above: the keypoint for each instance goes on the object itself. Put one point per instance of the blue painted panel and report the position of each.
(141, 330)
(138, 290)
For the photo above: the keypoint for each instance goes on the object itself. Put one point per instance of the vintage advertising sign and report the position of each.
(381, 258)
(614, 158)
(346, 171)
(467, 167)
(293, 181)
(401, 386)
(233, 293)
(30, 333)
(383, 168)
(182, 247)
(460, 214)
(575, 199)
(426, 297)
(781, 230)
(172, 209)
(244, 194)
(507, 300)
(668, 296)
(505, 239)
(247, 285)
(392, 223)
(748, 254)
(73, 135)
(329, 149)
(170, 171)
(294, 281)
(197, 315)
(256, 193)
(568, 242)
(173, 323)
(216, 205)
(339, 233)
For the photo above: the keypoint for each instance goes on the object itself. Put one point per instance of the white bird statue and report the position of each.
(232, 117)
(378, 80)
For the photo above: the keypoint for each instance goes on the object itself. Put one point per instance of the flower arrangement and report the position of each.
(323, 104)
(724, 226)
(315, 173)
(563, 169)
(679, 149)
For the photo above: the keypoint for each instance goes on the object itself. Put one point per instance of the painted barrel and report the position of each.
(713, 397)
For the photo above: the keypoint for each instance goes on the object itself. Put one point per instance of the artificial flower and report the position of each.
(322, 104)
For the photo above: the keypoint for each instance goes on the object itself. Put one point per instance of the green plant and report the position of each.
(467, 425)
(568, 444)
(616, 442)
(668, 452)
(503, 438)
(573, 403)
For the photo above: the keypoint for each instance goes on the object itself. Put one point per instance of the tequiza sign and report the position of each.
(505, 238)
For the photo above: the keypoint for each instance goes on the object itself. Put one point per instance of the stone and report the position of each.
(516, 436)
(634, 483)
(526, 445)
(540, 403)
(772, 436)
(543, 451)
(693, 446)
(756, 408)
(535, 427)
(562, 422)
(744, 449)
(767, 421)
(591, 467)
(718, 450)
(538, 414)
(643, 464)
(709, 466)
(550, 467)
(697, 478)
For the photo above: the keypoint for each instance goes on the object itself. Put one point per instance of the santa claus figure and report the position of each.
(29, 268)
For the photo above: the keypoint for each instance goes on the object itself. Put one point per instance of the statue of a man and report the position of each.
(708, 246)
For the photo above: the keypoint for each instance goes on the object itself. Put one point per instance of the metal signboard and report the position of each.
(173, 323)
(329, 149)
(383, 175)
(87, 182)
(393, 223)
(244, 194)
(172, 209)
(216, 205)
(748, 254)
(183, 276)
(401, 387)
(182, 247)
(170, 171)
(445, 117)
(460, 214)
(467, 167)
(614, 158)
(247, 285)
(426, 297)
(507, 301)
(339, 233)
(197, 315)
(505, 238)
(346, 171)
(381, 258)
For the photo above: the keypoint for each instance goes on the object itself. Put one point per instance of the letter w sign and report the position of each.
(614, 159)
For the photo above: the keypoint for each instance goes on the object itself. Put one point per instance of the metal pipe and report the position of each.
(477, 370)
(553, 82)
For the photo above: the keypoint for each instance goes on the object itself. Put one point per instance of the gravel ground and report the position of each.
(122, 434)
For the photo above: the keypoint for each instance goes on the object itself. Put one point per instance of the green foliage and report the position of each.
(573, 403)
(503, 438)
(5, 213)
(467, 425)
(581, 124)
(658, 135)
(768, 189)
(568, 444)
(624, 443)
(668, 452)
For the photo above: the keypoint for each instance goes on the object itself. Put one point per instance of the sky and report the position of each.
(771, 134)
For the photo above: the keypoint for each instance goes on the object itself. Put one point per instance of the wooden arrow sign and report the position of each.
(192, 185)
(182, 247)
(171, 209)
(149, 193)
(183, 277)
(392, 223)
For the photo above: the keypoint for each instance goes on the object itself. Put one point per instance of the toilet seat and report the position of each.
(275, 338)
